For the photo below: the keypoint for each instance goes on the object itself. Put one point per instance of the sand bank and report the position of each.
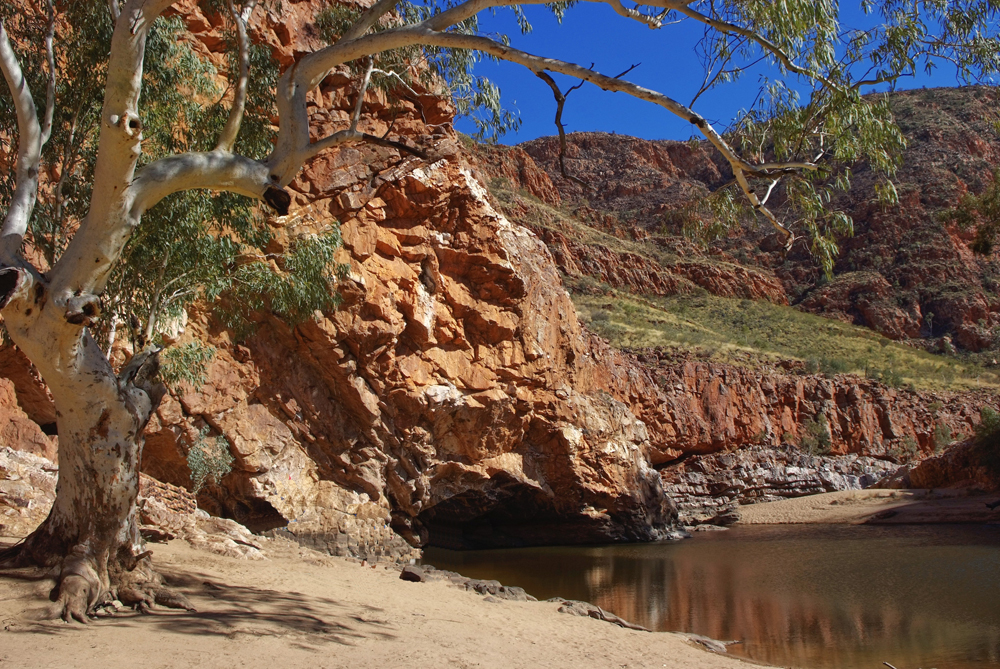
(876, 507)
(301, 609)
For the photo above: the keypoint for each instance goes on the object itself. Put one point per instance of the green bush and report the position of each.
(942, 437)
(186, 362)
(987, 439)
(208, 459)
(816, 438)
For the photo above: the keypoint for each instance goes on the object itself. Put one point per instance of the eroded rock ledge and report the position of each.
(709, 489)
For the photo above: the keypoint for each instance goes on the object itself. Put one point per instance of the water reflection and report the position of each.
(805, 596)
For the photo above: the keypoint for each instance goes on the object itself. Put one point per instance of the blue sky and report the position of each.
(593, 33)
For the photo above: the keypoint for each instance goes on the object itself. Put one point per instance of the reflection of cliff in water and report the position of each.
(808, 597)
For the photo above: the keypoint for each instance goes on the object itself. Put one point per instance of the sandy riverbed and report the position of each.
(300, 609)
(876, 506)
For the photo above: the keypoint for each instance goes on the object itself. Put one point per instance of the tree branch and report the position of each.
(560, 103)
(29, 152)
(50, 92)
(212, 170)
(653, 22)
(362, 89)
(741, 168)
(228, 136)
(369, 18)
(85, 266)
(771, 47)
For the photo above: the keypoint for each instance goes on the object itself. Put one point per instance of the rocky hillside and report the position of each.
(905, 273)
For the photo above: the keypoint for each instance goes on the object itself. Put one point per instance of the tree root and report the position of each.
(75, 595)
(144, 599)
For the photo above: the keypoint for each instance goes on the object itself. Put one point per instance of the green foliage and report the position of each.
(826, 366)
(298, 283)
(979, 212)
(195, 244)
(208, 459)
(907, 449)
(816, 438)
(942, 437)
(187, 362)
(987, 440)
(821, 114)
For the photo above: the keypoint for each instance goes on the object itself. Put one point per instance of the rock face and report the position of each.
(453, 396)
(961, 466)
(17, 430)
(28, 487)
(697, 407)
(710, 488)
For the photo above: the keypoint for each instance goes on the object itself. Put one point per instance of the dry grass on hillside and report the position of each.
(722, 327)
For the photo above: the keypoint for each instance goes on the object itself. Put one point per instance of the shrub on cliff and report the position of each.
(987, 440)
(816, 439)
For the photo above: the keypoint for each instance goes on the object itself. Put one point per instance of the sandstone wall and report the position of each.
(697, 407)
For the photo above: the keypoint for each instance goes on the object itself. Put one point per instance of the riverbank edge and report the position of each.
(299, 603)
(878, 507)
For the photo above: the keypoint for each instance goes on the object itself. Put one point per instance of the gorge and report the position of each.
(520, 360)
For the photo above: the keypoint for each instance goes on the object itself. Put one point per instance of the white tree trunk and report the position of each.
(91, 533)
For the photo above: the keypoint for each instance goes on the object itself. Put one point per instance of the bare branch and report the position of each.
(29, 149)
(759, 207)
(85, 266)
(362, 89)
(50, 92)
(741, 168)
(228, 136)
(213, 170)
(653, 22)
(770, 189)
(560, 103)
(369, 18)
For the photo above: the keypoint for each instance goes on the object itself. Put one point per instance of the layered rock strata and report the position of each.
(695, 407)
(709, 489)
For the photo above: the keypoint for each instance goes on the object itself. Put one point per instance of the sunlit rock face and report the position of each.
(453, 397)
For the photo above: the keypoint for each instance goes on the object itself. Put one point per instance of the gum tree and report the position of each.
(794, 144)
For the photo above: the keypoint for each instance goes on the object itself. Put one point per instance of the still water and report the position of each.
(802, 596)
